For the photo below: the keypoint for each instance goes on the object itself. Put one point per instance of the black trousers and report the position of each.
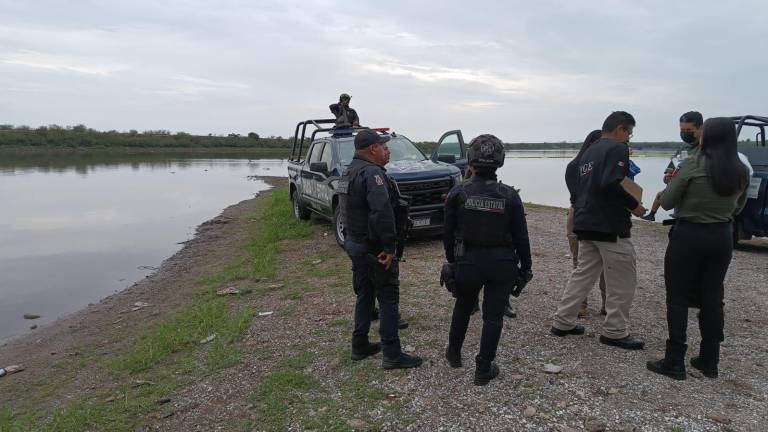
(697, 259)
(491, 269)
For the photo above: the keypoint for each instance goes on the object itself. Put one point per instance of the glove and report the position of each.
(524, 276)
(447, 278)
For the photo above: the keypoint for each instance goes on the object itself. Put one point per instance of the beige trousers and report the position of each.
(573, 243)
(617, 262)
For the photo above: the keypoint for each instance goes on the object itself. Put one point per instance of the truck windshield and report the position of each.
(401, 148)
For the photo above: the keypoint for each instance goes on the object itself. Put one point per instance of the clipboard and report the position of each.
(633, 189)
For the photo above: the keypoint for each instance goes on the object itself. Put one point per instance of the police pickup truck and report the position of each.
(329, 151)
(753, 220)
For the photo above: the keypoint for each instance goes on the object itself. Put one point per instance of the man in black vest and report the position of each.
(485, 233)
(602, 222)
(369, 204)
(346, 117)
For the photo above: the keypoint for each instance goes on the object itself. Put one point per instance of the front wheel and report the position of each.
(338, 225)
(299, 210)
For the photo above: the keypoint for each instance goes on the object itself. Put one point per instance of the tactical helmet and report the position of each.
(486, 151)
(345, 96)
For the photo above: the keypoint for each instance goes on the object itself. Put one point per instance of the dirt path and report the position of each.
(296, 374)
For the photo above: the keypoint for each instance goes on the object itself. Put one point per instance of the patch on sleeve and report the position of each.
(492, 205)
(379, 180)
(343, 186)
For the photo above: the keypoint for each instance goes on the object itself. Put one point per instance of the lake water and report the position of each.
(76, 229)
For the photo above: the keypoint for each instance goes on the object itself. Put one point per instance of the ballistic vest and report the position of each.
(483, 214)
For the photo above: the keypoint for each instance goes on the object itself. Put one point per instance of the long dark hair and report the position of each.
(718, 145)
(592, 138)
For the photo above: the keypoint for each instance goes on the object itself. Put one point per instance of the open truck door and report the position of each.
(451, 149)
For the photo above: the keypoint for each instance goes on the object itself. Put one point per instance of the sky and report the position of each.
(524, 71)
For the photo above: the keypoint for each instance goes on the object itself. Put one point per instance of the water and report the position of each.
(74, 229)
(71, 234)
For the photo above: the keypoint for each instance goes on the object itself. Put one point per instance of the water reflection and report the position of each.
(74, 230)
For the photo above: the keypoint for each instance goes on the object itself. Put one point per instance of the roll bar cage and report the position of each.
(298, 140)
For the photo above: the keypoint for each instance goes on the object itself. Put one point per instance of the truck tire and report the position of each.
(338, 226)
(299, 210)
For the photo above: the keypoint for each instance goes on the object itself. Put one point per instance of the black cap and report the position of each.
(366, 138)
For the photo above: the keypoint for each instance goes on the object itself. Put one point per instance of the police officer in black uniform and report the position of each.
(485, 234)
(346, 117)
(372, 211)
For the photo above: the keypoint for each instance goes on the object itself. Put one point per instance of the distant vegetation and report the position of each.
(80, 137)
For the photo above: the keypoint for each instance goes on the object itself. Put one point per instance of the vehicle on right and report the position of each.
(753, 220)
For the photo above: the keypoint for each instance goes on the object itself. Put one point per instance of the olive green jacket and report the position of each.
(691, 194)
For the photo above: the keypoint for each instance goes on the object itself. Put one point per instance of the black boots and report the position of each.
(485, 371)
(663, 367)
(363, 352)
(454, 357)
(708, 370)
(404, 361)
(576, 330)
(627, 342)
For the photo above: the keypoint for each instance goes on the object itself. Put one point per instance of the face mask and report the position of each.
(688, 137)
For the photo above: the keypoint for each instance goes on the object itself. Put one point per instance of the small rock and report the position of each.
(594, 424)
(30, 316)
(263, 314)
(208, 339)
(32, 327)
(316, 262)
(529, 411)
(163, 401)
(109, 399)
(275, 286)
(719, 418)
(357, 424)
(517, 377)
(391, 396)
(409, 349)
(167, 414)
(552, 369)
(228, 291)
(613, 391)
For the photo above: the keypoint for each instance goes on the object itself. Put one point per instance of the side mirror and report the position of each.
(321, 167)
(448, 158)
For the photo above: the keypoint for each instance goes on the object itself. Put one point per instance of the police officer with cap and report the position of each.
(485, 234)
(369, 202)
(346, 117)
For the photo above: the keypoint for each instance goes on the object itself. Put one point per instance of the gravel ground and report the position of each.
(599, 387)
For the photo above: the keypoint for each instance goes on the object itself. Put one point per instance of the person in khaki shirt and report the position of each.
(706, 192)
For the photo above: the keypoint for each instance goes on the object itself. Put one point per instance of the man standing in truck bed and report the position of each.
(346, 117)
(369, 201)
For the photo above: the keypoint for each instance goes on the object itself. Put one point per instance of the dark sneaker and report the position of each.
(577, 330)
(405, 361)
(627, 342)
(454, 358)
(402, 324)
(661, 367)
(707, 370)
(484, 377)
(651, 217)
(365, 351)
(509, 311)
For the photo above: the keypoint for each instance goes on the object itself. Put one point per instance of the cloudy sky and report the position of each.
(523, 70)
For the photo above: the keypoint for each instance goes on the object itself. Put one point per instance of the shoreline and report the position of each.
(305, 336)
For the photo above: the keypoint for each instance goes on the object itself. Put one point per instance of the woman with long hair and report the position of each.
(572, 182)
(706, 191)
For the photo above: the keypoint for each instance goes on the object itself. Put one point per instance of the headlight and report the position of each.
(456, 178)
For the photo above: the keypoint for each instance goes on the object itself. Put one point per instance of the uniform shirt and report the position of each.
(370, 202)
(691, 194)
(601, 208)
(513, 211)
(345, 116)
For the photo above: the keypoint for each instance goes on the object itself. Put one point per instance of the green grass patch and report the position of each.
(169, 354)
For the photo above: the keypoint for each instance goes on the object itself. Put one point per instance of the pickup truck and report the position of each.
(753, 220)
(426, 180)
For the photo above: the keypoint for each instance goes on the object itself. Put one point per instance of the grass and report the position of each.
(169, 354)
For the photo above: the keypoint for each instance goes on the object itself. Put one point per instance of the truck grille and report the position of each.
(426, 193)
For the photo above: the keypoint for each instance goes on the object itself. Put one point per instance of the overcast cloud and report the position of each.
(525, 71)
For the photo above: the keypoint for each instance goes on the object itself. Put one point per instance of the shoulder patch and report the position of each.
(479, 203)
(343, 186)
(379, 180)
